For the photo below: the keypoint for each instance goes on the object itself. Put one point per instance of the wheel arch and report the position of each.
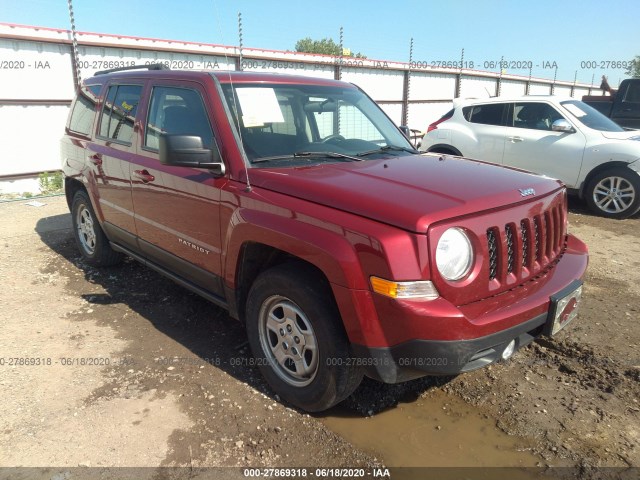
(259, 244)
(444, 148)
(595, 171)
(71, 187)
(255, 258)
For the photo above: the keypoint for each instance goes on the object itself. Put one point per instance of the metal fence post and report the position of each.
(406, 87)
(74, 48)
(338, 71)
(459, 76)
(239, 59)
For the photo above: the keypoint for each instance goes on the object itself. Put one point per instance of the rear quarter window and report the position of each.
(84, 109)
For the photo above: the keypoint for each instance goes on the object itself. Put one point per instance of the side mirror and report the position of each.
(411, 134)
(187, 151)
(562, 125)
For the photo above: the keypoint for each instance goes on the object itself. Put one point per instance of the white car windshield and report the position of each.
(590, 117)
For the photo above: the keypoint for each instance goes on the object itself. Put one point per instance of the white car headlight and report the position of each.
(454, 255)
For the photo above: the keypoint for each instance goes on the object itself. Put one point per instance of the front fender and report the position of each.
(328, 250)
(346, 248)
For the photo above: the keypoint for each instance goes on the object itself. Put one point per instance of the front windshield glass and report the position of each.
(590, 117)
(285, 125)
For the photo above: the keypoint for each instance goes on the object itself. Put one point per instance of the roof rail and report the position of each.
(152, 66)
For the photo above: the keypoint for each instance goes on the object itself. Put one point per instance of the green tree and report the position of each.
(326, 46)
(634, 69)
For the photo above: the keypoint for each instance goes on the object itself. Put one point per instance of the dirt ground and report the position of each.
(578, 394)
(121, 367)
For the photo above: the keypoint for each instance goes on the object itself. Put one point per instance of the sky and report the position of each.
(582, 38)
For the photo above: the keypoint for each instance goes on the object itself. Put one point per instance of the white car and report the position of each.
(558, 137)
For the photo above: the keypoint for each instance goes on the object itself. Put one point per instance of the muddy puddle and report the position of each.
(438, 431)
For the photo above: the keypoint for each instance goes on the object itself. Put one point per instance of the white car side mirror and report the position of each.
(562, 125)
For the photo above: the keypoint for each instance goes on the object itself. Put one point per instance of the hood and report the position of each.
(626, 135)
(409, 192)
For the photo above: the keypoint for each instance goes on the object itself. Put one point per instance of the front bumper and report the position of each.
(417, 358)
(436, 338)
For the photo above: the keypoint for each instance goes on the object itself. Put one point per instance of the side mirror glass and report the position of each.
(188, 151)
(562, 125)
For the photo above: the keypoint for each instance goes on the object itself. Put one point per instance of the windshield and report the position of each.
(590, 117)
(288, 125)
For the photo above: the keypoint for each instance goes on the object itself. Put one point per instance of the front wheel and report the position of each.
(297, 338)
(614, 193)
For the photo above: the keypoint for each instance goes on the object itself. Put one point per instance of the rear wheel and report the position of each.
(92, 242)
(297, 338)
(614, 193)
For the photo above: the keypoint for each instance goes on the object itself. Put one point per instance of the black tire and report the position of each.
(91, 240)
(305, 325)
(614, 193)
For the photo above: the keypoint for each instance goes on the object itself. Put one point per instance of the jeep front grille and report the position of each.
(492, 244)
(536, 232)
(508, 229)
(536, 243)
(524, 233)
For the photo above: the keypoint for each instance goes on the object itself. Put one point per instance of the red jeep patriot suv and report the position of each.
(297, 205)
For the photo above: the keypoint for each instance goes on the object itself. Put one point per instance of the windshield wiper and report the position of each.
(308, 154)
(328, 155)
(387, 148)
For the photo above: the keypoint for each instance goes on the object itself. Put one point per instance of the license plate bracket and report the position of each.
(563, 307)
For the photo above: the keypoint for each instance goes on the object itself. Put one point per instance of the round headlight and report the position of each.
(454, 254)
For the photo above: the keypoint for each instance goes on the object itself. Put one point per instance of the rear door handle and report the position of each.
(515, 139)
(96, 159)
(143, 175)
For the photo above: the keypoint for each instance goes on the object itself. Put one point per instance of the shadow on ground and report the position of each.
(201, 327)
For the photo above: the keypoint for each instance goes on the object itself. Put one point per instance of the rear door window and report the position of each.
(488, 114)
(119, 112)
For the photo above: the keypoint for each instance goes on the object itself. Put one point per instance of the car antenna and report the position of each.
(233, 94)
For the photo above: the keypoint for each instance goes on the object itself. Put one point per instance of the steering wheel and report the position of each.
(335, 136)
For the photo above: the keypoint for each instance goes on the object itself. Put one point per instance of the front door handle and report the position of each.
(143, 175)
(515, 139)
(96, 159)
